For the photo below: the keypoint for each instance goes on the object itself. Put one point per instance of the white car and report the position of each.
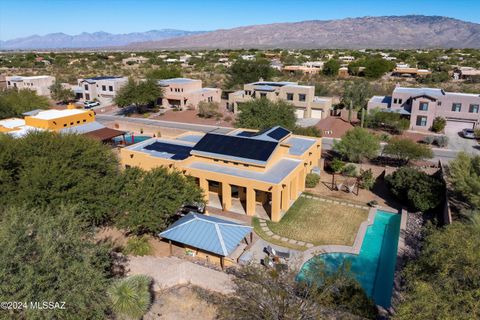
(90, 104)
(468, 133)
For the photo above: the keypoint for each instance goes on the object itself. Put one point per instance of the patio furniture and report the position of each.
(351, 187)
(269, 250)
(339, 186)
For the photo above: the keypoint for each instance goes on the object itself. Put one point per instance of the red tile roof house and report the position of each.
(422, 105)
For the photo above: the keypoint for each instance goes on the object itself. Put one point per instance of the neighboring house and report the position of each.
(410, 72)
(134, 60)
(99, 87)
(39, 84)
(346, 59)
(301, 69)
(466, 73)
(422, 105)
(183, 92)
(244, 171)
(303, 98)
(70, 120)
(3, 82)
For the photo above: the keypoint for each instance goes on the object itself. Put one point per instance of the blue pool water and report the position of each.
(136, 139)
(374, 266)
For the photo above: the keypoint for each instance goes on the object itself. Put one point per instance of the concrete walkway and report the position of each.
(168, 272)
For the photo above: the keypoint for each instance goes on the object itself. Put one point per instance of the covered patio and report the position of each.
(216, 240)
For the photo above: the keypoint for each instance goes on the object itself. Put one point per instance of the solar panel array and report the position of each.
(179, 152)
(278, 133)
(234, 146)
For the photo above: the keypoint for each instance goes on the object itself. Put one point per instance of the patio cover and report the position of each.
(207, 233)
(104, 134)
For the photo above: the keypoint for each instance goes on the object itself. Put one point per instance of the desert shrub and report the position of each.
(312, 180)
(350, 170)
(138, 246)
(421, 191)
(428, 139)
(384, 137)
(441, 141)
(438, 124)
(366, 179)
(311, 131)
(208, 109)
(337, 165)
(131, 297)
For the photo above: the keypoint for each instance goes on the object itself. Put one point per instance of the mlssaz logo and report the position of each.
(47, 305)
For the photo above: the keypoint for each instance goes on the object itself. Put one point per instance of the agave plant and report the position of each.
(131, 297)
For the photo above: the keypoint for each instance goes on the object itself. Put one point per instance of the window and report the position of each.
(71, 123)
(439, 103)
(473, 108)
(302, 97)
(110, 88)
(263, 95)
(423, 106)
(84, 120)
(456, 107)
(86, 87)
(64, 124)
(9, 83)
(104, 88)
(395, 100)
(421, 121)
(78, 121)
(289, 96)
(400, 101)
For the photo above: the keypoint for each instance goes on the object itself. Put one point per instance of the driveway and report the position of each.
(458, 143)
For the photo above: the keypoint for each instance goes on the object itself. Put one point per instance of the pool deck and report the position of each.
(357, 245)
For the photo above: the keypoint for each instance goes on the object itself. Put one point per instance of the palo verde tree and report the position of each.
(263, 113)
(331, 67)
(357, 145)
(407, 150)
(141, 95)
(148, 200)
(60, 93)
(464, 173)
(48, 169)
(246, 71)
(47, 255)
(15, 102)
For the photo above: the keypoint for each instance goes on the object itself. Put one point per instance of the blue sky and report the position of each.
(20, 18)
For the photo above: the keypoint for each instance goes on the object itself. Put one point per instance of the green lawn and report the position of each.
(320, 223)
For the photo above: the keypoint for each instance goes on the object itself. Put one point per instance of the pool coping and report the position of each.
(357, 244)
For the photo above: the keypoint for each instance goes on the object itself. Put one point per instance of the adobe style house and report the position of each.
(186, 93)
(422, 105)
(99, 88)
(244, 171)
(39, 84)
(303, 98)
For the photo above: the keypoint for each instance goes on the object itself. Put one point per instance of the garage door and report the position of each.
(317, 114)
(457, 126)
(299, 113)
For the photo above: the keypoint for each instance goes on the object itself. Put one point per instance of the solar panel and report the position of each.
(246, 134)
(278, 134)
(179, 152)
(235, 146)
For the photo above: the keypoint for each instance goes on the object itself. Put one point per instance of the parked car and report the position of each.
(468, 133)
(187, 208)
(90, 104)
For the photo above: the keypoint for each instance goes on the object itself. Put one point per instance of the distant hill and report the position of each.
(90, 40)
(396, 32)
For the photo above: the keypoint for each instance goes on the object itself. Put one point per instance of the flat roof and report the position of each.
(299, 145)
(176, 80)
(275, 174)
(54, 114)
(12, 123)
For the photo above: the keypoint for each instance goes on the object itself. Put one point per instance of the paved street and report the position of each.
(165, 124)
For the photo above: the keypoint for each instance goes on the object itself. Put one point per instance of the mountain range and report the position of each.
(90, 40)
(395, 32)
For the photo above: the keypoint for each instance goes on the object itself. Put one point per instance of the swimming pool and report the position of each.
(128, 139)
(374, 266)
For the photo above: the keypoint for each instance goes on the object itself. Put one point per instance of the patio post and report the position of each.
(251, 201)
(276, 203)
(170, 247)
(226, 196)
